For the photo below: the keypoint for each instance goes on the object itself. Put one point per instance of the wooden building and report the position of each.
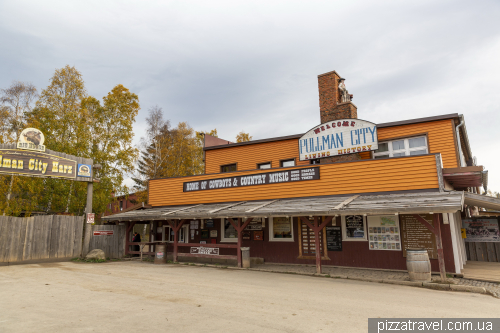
(347, 193)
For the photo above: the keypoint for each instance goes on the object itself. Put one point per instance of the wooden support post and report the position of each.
(439, 245)
(130, 226)
(239, 228)
(436, 230)
(176, 225)
(317, 229)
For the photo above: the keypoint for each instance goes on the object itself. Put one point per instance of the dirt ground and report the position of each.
(139, 296)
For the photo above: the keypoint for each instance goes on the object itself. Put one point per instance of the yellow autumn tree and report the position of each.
(243, 137)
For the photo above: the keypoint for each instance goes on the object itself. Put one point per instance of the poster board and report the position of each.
(255, 224)
(384, 233)
(481, 230)
(333, 238)
(415, 235)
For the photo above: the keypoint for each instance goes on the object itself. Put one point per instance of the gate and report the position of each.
(113, 245)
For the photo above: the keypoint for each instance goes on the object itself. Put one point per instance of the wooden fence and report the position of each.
(114, 245)
(483, 251)
(40, 237)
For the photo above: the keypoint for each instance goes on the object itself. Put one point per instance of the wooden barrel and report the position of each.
(418, 265)
(160, 254)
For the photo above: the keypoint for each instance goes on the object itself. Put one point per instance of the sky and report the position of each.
(252, 65)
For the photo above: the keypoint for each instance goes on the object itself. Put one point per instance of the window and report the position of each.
(228, 168)
(354, 228)
(228, 233)
(316, 161)
(281, 229)
(266, 165)
(287, 163)
(402, 147)
(121, 205)
(168, 234)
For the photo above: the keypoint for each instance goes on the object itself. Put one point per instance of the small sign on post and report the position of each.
(103, 233)
(90, 217)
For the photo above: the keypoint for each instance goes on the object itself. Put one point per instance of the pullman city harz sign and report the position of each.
(339, 137)
(284, 176)
(30, 159)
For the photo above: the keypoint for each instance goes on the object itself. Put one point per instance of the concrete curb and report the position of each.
(428, 285)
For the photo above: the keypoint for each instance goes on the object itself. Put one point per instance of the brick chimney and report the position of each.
(331, 108)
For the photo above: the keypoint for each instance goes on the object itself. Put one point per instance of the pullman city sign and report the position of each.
(30, 159)
(338, 137)
(284, 176)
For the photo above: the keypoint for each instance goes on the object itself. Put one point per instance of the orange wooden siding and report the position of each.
(395, 174)
(249, 156)
(440, 135)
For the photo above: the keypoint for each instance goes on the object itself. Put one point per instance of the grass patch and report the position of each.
(88, 260)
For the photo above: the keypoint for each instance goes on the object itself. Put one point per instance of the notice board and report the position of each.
(415, 235)
(333, 238)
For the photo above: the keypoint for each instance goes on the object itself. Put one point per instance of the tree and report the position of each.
(243, 137)
(15, 102)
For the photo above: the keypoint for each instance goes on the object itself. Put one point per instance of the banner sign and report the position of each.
(22, 162)
(214, 251)
(103, 233)
(481, 230)
(339, 137)
(90, 217)
(255, 179)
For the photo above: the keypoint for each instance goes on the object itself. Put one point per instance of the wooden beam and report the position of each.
(317, 228)
(179, 210)
(261, 206)
(226, 207)
(436, 230)
(345, 202)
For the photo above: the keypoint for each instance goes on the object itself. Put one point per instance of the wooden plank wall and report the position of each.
(40, 237)
(440, 134)
(483, 251)
(394, 174)
(113, 246)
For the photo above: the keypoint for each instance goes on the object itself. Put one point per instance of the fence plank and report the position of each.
(490, 248)
(28, 243)
(53, 242)
(77, 247)
(472, 250)
(497, 251)
(480, 252)
(4, 234)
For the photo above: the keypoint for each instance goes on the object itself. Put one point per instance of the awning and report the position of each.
(463, 177)
(408, 203)
(482, 201)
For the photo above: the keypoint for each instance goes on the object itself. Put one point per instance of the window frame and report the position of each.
(271, 230)
(407, 150)
(270, 165)
(288, 160)
(167, 233)
(229, 164)
(223, 238)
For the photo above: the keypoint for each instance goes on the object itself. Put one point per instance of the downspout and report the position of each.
(459, 142)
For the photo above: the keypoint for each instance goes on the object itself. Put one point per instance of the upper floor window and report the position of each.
(266, 165)
(287, 163)
(402, 147)
(228, 168)
(316, 161)
(121, 205)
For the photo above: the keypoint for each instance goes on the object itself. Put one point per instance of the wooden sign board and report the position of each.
(415, 235)
(214, 251)
(103, 233)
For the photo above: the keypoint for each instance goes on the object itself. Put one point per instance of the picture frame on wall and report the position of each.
(354, 228)
(213, 233)
(258, 235)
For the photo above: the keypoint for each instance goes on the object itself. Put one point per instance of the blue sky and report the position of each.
(253, 65)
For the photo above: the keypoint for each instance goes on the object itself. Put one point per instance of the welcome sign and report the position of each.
(339, 137)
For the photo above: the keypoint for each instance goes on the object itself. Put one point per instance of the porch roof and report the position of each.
(482, 201)
(408, 203)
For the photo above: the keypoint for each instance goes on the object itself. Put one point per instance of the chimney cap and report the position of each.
(341, 79)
